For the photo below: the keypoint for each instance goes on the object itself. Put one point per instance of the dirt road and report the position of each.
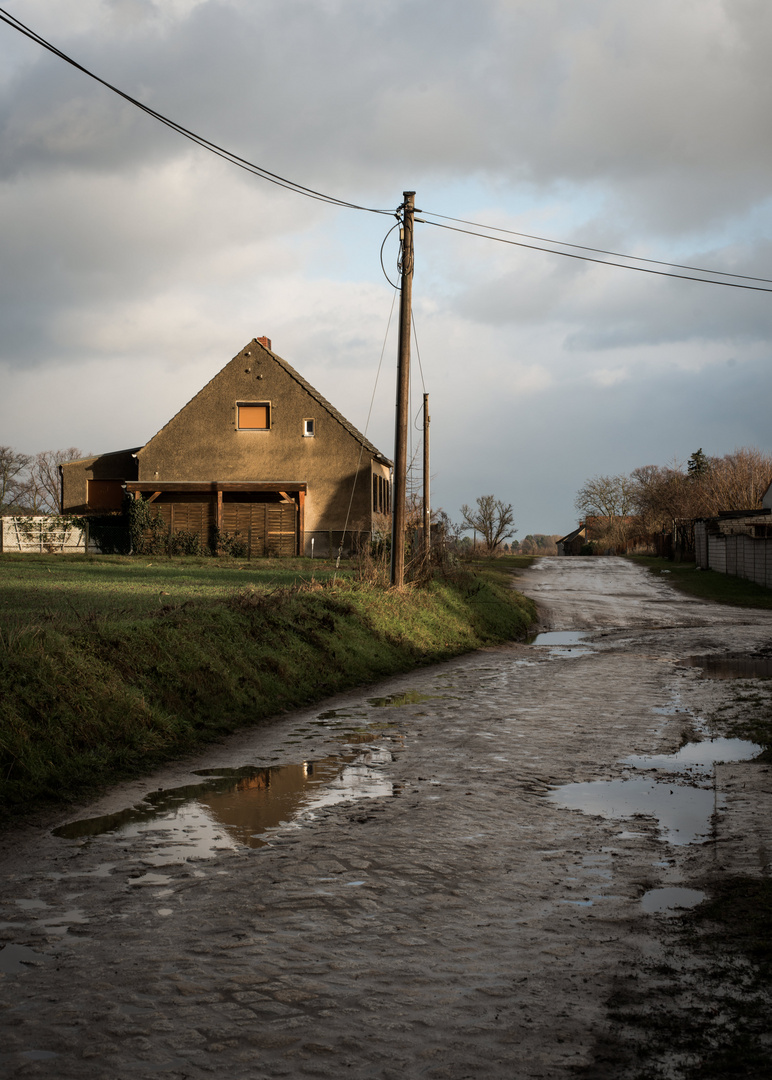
(400, 884)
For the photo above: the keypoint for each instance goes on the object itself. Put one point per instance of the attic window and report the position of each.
(308, 429)
(253, 415)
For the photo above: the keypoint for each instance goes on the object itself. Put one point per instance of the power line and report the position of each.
(602, 262)
(598, 251)
(311, 193)
(227, 155)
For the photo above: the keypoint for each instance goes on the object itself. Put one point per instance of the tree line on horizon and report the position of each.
(655, 498)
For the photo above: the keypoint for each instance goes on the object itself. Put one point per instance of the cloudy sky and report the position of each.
(134, 264)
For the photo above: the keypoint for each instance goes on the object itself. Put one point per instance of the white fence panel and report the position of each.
(42, 535)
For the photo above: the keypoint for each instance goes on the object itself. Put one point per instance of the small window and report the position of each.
(253, 415)
(308, 429)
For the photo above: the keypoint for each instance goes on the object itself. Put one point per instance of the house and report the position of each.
(257, 452)
(573, 542)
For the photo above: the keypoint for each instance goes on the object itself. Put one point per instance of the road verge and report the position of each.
(113, 695)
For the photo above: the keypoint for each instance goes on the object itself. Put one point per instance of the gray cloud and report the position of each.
(131, 259)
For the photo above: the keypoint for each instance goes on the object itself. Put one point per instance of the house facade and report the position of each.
(257, 452)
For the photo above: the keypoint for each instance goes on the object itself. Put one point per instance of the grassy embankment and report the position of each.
(707, 584)
(111, 665)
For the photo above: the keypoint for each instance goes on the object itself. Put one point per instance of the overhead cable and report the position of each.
(603, 262)
(228, 155)
(312, 193)
(598, 251)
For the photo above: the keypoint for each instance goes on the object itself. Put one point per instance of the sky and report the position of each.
(134, 265)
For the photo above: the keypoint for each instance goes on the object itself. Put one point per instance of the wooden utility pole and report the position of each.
(403, 394)
(427, 508)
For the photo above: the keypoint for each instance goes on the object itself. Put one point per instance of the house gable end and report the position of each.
(250, 422)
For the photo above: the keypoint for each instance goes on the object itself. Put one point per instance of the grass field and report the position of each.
(66, 588)
(707, 584)
(111, 665)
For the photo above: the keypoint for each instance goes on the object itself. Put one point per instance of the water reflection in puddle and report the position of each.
(241, 806)
(14, 959)
(564, 643)
(731, 666)
(670, 900)
(699, 757)
(560, 637)
(682, 810)
(682, 813)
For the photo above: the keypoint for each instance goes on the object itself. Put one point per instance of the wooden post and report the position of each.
(427, 509)
(403, 394)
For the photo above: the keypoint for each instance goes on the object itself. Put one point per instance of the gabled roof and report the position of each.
(306, 386)
(571, 536)
(325, 404)
(109, 453)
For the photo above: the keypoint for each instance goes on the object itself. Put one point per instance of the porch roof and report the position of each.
(163, 486)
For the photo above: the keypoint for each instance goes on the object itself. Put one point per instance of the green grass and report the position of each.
(707, 584)
(111, 666)
(66, 587)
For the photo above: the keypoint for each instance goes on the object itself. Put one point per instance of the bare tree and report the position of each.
(13, 479)
(664, 494)
(43, 488)
(707, 486)
(493, 520)
(607, 504)
(737, 481)
(606, 496)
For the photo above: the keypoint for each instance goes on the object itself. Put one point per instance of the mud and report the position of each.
(445, 918)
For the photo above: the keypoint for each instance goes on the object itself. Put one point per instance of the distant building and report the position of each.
(573, 542)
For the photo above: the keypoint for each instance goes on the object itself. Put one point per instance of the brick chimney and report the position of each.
(265, 342)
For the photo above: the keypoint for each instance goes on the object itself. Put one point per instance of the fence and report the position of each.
(43, 535)
(738, 555)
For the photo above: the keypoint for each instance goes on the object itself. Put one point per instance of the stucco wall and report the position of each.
(120, 465)
(203, 442)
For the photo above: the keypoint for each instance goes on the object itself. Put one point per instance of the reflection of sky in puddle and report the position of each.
(697, 757)
(560, 637)
(242, 806)
(671, 899)
(682, 811)
(14, 959)
(564, 642)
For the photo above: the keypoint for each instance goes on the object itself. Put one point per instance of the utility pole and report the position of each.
(427, 509)
(403, 394)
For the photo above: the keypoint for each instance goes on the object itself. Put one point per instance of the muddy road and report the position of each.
(453, 874)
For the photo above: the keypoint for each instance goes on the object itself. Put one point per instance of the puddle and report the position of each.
(236, 807)
(15, 959)
(683, 811)
(30, 1055)
(698, 757)
(560, 637)
(564, 643)
(409, 697)
(731, 666)
(671, 900)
